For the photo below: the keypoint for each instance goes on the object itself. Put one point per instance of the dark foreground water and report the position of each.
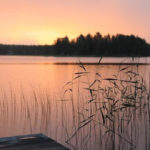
(82, 106)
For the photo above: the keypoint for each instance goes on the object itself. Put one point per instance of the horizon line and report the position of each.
(70, 39)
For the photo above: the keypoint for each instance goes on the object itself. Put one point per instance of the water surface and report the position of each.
(78, 105)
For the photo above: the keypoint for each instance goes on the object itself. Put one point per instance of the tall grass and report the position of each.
(114, 114)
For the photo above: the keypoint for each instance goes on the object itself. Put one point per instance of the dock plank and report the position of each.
(30, 142)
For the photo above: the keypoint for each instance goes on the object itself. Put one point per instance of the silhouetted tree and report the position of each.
(97, 45)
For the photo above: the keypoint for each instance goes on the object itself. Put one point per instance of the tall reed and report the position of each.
(113, 111)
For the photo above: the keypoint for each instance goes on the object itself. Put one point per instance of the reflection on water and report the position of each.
(84, 107)
(59, 60)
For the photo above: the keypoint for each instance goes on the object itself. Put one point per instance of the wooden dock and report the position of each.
(30, 142)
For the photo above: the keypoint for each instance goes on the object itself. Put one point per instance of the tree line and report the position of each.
(26, 50)
(88, 45)
(98, 45)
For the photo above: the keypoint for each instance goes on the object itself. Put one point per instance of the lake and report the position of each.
(83, 103)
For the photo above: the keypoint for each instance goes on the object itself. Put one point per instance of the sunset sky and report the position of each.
(42, 21)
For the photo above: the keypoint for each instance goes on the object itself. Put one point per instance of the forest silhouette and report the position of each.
(117, 46)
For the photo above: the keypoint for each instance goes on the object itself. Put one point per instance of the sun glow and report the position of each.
(42, 22)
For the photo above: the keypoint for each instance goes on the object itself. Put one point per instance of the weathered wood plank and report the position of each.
(30, 142)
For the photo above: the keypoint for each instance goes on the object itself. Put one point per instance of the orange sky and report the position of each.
(42, 21)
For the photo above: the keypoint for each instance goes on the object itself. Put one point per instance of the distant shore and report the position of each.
(88, 46)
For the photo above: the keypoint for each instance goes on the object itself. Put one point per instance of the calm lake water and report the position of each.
(84, 106)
